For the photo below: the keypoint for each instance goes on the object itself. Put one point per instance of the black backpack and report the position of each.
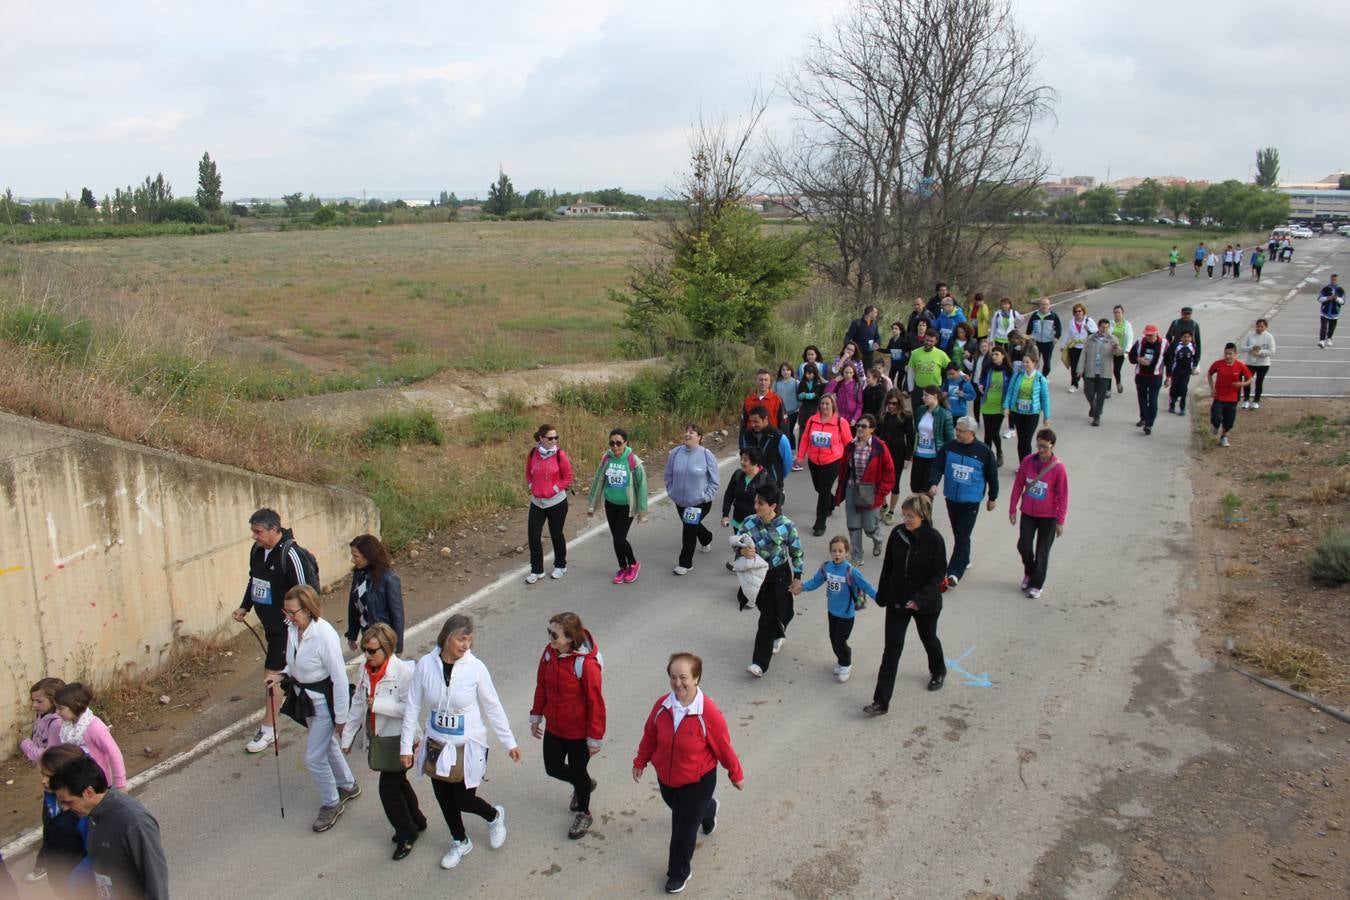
(307, 562)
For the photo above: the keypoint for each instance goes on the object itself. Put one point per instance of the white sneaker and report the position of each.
(558, 572)
(755, 670)
(1246, 404)
(262, 739)
(1321, 343)
(1256, 406)
(778, 644)
(534, 577)
(1034, 593)
(681, 570)
(35, 875)
(705, 548)
(458, 850)
(497, 829)
(1223, 441)
(843, 673)
(1330, 342)
(1072, 389)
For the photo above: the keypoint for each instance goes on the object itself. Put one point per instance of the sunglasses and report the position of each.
(616, 443)
(371, 651)
(550, 437)
(554, 635)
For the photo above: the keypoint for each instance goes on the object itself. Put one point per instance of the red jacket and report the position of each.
(546, 476)
(880, 471)
(683, 758)
(572, 708)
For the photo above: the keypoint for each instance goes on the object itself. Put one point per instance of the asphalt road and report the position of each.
(964, 790)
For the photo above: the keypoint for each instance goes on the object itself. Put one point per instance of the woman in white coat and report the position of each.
(378, 704)
(453, 697)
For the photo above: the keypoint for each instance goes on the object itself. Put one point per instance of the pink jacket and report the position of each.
(102, 749)
(46, 733)
(546, 476)
(1054, 504)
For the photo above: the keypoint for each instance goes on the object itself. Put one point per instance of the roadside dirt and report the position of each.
(454, 393)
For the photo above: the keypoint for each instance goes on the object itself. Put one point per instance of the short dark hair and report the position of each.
(58, 755)
(753, 455)
(620, 432)
(1230, 346)
(695, 663)
(763, 372)
(369, 546)
(770, 494)
(939, 286)
(78, 775)
(75, 697)
(759, 409)
(1048, 435)
(543, 430)
(267, 518)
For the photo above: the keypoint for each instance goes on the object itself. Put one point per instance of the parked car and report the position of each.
(1301, 232)
(1344, 230)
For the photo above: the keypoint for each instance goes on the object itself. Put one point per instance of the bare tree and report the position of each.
(913, 141)
(1054, 242)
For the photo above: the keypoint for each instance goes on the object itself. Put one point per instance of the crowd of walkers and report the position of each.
(946, 372)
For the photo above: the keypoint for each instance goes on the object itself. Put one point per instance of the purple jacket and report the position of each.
(46, 733)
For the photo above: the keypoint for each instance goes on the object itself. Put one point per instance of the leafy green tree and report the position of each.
(151, 197)
(1176, 198)
(1267, 167)
(535, 199)
(1099, 204)
(502, 197)
(1142, 200)
(181, 210)
(325, 215)
(87, 199)
(294, 203)
(208, 184)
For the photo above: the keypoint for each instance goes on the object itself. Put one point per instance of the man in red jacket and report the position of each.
(764, 396)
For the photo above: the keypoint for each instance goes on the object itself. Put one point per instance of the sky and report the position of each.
(400, 98)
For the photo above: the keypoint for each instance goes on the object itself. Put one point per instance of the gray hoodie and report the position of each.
(125, 850)
(1252, 345)
(692, 476)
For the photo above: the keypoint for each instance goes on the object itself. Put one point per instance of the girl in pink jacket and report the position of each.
(79, 726)
(1043, 487)
(548, 475)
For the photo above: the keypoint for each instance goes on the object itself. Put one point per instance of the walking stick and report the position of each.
(272, 709)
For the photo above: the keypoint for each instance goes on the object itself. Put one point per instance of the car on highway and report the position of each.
(1301, 232)
(1344, 230)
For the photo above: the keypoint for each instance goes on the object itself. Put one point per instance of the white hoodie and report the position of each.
(460, 708)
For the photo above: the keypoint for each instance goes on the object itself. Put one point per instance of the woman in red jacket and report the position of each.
(548, 475)
(685, 738)
(568, 697)
(866, 477)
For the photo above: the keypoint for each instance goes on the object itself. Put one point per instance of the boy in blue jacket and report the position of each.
(960, 390)
(845, 592)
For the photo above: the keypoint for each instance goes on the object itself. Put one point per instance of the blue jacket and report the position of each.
(837, 578)
(692, 477)
(1040, 394)
(966, 469)
(959, 394)
(384, 603)
(946, 326)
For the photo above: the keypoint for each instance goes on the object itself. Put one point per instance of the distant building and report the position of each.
(1065, 187)
(584, 209)
(1330, 183)
(1314, 204)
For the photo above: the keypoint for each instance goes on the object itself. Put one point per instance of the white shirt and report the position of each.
(314, 655)
(678, 712)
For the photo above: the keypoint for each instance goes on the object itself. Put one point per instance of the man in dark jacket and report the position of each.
(940, 293)
(275, 565)
(913, 340)
(773, 446)
(1184, 324)
(968, 468)
(124, 846)
(864, 333)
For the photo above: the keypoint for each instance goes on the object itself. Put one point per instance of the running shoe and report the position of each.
(755, 670)
(875, 709)
(1034, 593)
(458, 850)
(631, 575)
(534, 577)
(796, 467)
(497, 829)
(1246, 404)
(705, 548)
(1223, 441)
(346, 795)
(558, 572)
(1256, 405)
(681, 570)
(675, 885)
(262, 739)
(1026, 582)
(619, 576)
(327, 818)
(843, 673)
(710, 824)
(778, 643)
(581, 823)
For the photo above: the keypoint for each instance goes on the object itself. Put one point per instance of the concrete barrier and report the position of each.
(109, 549)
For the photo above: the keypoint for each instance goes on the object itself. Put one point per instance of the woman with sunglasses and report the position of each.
(377, 705)
(622, 481)
(548, 475)
(866, 476)
(316, 685)
(896, 429)
(376, 594)
(569, 712)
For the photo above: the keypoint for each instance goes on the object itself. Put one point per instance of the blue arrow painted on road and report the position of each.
(980, 680)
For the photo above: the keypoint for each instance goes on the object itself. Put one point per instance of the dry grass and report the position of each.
(131, 690)
(1306, 668)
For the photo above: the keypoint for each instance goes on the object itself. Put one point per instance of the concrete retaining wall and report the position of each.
(108, 548)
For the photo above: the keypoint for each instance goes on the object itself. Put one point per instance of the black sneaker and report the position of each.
(710, 823)
(675, 885)
(935, 684)
(875, 709)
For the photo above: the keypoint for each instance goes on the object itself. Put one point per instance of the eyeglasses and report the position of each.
(550, 437)
(371, 651)
(616, 443)
(891, 403)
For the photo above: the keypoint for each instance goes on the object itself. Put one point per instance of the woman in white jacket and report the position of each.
(378, 704)
(452, 695)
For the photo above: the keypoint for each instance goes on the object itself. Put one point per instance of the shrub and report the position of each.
(1330, 562)
(48, 331)
(181, 210)
(398, 429)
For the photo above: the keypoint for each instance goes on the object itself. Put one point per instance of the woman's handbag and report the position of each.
(865, 494)
(383, 754)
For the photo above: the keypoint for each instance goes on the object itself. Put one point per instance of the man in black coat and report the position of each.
(864, 333)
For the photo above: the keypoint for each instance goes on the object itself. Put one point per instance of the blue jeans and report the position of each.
(323, 757)
(963, 517)
(1148, 386)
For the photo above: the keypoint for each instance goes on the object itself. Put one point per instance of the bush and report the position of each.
(530, 215)
(398, 429)
(181, 211)
(325, 215)
(48, 331)
(1330, 562)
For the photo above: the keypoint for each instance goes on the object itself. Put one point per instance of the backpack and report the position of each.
(579, 659)
(308, 563)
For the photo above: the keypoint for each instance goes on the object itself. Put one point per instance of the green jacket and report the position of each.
(637, 483)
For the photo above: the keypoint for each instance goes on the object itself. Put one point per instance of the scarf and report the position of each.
(73, 732)
(545, 452)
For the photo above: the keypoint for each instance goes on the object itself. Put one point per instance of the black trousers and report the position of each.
(1147, 387)
(840, 629)
(822, 479)
(619, 523)
(456, 799)
(690, 806)
(1223, 414)
(1036, 535)
(555, 516)
(1259, 375)
(691, 533)
(897, 623)
(791, 431)
(566, 759)
(1326, 328)
(962, 516)
(400, 806)
(1074, 354)
(1116, 363)
(775, 613)
(1047, 349)
(1025, 423)
(1097, 388)
(993, 432)
(920, 469)
(1179, 391)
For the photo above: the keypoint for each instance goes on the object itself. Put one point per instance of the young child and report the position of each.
(79, 726)
(750, 570)
(845, 593)
(959, 390)
(1179, 363)
(64, 833)
(895, 348)
(874, 394)
(46, 722)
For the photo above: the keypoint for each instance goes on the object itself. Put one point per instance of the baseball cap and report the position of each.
(1150, 329)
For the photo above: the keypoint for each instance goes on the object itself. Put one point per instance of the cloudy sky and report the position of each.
(403, 98)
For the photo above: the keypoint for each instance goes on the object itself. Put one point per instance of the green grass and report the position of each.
(400, 429)
(1316, 429)
(42, 234)
(48, 331)
(1270, 477)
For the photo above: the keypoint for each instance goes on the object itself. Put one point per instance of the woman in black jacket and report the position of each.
(376, 595)
(909, 588)
(896, 428)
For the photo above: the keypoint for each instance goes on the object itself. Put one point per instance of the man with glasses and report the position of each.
(969, 470)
